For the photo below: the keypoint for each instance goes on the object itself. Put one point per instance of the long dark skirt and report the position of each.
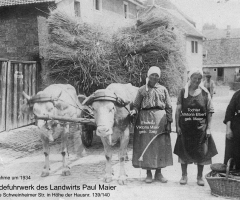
(192, 150)
(159, 152)
(232, 149)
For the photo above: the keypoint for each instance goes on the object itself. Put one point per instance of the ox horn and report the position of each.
(26, 95)
(88, 100)
(81, 98)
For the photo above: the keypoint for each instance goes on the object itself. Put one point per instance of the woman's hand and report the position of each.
(178, 130)
(168, 127)
(229, 133)
(208, 131)
(133, 112)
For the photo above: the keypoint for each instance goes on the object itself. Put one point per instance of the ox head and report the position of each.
(42, 105)
(104, 105)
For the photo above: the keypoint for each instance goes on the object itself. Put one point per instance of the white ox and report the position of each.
(56, 100)
(113, 121)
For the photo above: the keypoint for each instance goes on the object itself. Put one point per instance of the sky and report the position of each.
(209, 11)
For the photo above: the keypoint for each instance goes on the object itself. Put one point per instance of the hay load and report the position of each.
(90, 58)
(77, 54)
(152, 43)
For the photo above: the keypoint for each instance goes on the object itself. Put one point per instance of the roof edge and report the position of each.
(18, 3)
(222, 65)
(189, 35)
(187, 21)
(134, 2)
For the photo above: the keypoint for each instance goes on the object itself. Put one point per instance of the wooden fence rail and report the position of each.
(16, 76)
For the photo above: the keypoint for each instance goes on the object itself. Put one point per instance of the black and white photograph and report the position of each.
(119, 99)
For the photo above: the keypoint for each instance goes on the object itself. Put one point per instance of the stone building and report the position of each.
(221, 54)
(23, 28)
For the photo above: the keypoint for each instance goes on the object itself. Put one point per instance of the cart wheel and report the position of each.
(87, 135)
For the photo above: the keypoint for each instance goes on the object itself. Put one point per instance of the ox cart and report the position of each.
(85, 119)
(106, 110)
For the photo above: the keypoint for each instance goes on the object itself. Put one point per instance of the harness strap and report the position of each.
(116, 99)
(43, 98)
(46, 98)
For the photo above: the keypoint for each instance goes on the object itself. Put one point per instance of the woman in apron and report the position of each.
(193, 124)
(232, 121)
(153, 106)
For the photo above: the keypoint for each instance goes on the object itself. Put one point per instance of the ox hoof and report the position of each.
(122, 180)
(66, 173)
(107, 179)
(44, 174)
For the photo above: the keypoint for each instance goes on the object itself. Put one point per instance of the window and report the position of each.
(77, 8)
(125, 10)
(194, 46)
(220, 71)
(97, 5)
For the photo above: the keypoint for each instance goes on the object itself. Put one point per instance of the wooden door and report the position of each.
(21, 76)
(3, 80)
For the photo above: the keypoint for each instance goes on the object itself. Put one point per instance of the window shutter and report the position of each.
(196, 47)
(192, 46)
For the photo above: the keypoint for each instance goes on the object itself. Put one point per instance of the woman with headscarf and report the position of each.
(153, 106)
(193, 125)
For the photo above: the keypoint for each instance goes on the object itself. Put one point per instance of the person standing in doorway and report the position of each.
(209, 84)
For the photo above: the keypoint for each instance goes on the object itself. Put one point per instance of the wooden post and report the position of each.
(15, 97)
(25, 89)
(34, 79)
(20, 97)
(9, 98)
(30, 74)
(3, 73)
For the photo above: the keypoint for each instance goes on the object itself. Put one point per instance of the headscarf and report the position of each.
(194, 71)
(152, 70)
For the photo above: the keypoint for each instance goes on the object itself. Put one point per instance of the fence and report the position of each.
(16, 76)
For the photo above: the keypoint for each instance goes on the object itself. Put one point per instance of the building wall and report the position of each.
(19, 32)
(111, 14)
(193, 60)
(229, 73)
